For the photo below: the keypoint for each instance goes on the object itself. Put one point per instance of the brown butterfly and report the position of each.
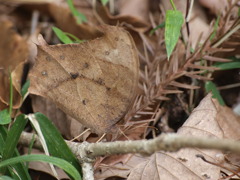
(95, 81)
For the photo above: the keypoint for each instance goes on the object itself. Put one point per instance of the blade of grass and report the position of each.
(12, 138)
(5, 117)
(66, 166)
(79, 16)
(62, 36)
(55, 142)
(211, 87)
(234, 64)
(30, 147)
(215, 29)
(24, 89)
(11, 95)
(162, 25)
(104, 2)
(20, 170)
(37, 128)
(76, 40)
(6, 178)
(2, 142)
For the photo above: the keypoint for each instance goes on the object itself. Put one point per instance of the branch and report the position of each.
(165, 142)
(86, 152)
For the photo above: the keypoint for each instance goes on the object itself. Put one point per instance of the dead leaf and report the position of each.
(229, 122)
(120, 169)
(216, 6)
(135, 8)
(184, 164)
(95, 82)
(131, 22)
(66, 21)
(13, 52)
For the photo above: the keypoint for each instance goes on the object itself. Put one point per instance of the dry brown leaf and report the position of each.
(95, 82)
(13, 52)
(135, 8)
(131, 22)
(66, 21)
(184, 164)
(229, 122)
(120, 169)
(216, 6)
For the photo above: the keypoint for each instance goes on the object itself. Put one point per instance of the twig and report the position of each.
(87, 170)
(164, 142)
(228, 86)
(86, 152)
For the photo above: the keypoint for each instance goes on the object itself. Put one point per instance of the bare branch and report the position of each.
(164, 142)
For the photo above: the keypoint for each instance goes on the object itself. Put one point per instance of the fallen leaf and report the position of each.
(229, 122)
(131, 22)
(216, 6)
(95, 82)
(135, 8)
(184, 164)
(13, 52)
(120, 169)
(66, 21)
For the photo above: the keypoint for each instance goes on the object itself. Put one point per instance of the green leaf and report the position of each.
(12, 138)
(6, 178)
(25, 87)
(211, 87)
(215, 29)
(19, 169)
(104, 2)
(62, 36)
(234, 64)
(76, 40)
(66, 166)
(5, 117)
(174, 21)
(162, 25)
(65, 37)
(55, 142)
(2, 142)
(16, 170)
(79, 16)
(11, 95)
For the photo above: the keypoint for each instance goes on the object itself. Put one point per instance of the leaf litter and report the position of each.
(159, 81)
